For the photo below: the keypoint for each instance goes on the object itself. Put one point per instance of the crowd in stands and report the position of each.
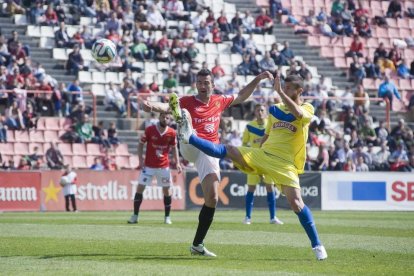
(134, 27)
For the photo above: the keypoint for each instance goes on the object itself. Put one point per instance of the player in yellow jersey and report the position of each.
(282, 155)
(252, 137)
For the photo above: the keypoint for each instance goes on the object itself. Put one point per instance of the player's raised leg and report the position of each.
(137, 204)
(304, 214)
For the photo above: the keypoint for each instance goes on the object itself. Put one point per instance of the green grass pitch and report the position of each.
(101, 243)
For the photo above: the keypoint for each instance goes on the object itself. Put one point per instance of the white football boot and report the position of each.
(275, 220)
(320, 252)
(167, 220)
(201, 250)
(133, 219)
(247, 221)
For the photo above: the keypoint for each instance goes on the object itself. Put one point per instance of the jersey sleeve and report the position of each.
(184, 102)
(307, 111)
(226, 101)
(246, 138)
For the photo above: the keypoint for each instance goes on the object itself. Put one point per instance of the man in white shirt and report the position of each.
(155, 18)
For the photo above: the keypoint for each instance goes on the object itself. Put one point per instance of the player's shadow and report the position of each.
(124, 257)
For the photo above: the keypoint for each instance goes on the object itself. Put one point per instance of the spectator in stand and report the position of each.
(75, 62)
(216, 33)
(278, 57)
(62, 39)
(155, 19)
(51, 17)
(399, 157)
(381, 58)
(15, 7)
(264, 24)
(287, 52)
(372, 70)
(113, 134)
(170, 83)
(410, 166)
(349, 166)
(267, 63)
(322, 160)
(356, 71)
(114, 98)
(217, 68)
(3, 130)
(337, 8)
(219, 84)
(196, 20)
(203, 33)
(97, 164)
(276, 10)
(76, 90)
(191, 54)
(380, 159)
(249, 22)
(361, 166)
(359, 152)
(395, 9)
(395, 55)
(14, 117)
(381, 132)
(356, 47)
(304, 71)
(224, 25)
(23, 164)
(388, 90)
(363, 28)
(403, 71)
(54, 157)
(326, 30)
(367, 133)
(84, 129)
(236, 22)
(239, 43)
(361, 105)
(99, 135)
(210, 19)
(30, 118)
(35, 159)
(37, 13)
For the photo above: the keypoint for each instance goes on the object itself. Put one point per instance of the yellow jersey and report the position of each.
(253, 134)
(288, 135)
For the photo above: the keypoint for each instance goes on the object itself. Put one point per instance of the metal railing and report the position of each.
(37, 92)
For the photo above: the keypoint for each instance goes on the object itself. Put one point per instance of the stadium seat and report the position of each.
(404, 84)
(90, 159)
(123, 162)
(85, 77)
(112, 77)
(33, 145)
(65, 148)
(98, 77)
(47, 31)
(313, 40)
(50, 136)
(79, 149)
(52, 123)
(6, 149)
(122, 150)
(65, 123)
(67, 160)
(79, 162)
(21, 136)
(134, 162)
(93, 149)
(10, 136)
(36, 136)
(41, 124)
(86, 54)
(21, 148)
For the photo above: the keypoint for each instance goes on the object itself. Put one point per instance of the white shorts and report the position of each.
(163, 176)
(205, 164)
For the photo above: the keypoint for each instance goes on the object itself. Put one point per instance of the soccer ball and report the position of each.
(103, 50)
(64, 180)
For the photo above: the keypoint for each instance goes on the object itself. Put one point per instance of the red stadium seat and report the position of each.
(123, 162)
(403, 23)
(65, 148)
(313, 40)
(393, 33)
(21, 148)
(369, 84)
(340, 62)
(122, 150)
(79, 149)
(67, 160)
(10, 136)
(93, 149)
(41, 124)
(392, 22)
(327, 52)
(21, 136)
(381, 32)
(372, 42)
(79, 162)
(90, 159)
(339, 52)
(134, 162)
(37, 136)
(65, 123)
(51, 136)
(404, 84)
(52, 123)
(6, 148)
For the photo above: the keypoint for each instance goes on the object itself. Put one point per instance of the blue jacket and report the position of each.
(386, 87)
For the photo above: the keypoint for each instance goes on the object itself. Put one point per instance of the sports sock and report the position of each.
(271, 203)
(167, 205)
(73, 199)
(249, 204)
(209, 148)
(204, 221)
(137, 203)
(306, 219)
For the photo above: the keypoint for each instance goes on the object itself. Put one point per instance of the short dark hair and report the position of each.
(295, 80)
(204, 73)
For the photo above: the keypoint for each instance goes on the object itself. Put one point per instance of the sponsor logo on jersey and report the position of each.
(209, 128)
(286, 125)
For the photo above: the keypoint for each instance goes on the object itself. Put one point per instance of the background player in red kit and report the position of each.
(160, 138)
(205, 110)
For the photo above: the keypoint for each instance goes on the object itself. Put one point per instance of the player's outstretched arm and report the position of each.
(294, 108)
(155, 107)
(247, 91)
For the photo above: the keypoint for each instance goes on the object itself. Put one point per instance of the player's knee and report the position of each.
(211, 200)
(232, 151)
(296, 204)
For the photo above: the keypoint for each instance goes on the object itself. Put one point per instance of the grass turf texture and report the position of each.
(358, 243)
